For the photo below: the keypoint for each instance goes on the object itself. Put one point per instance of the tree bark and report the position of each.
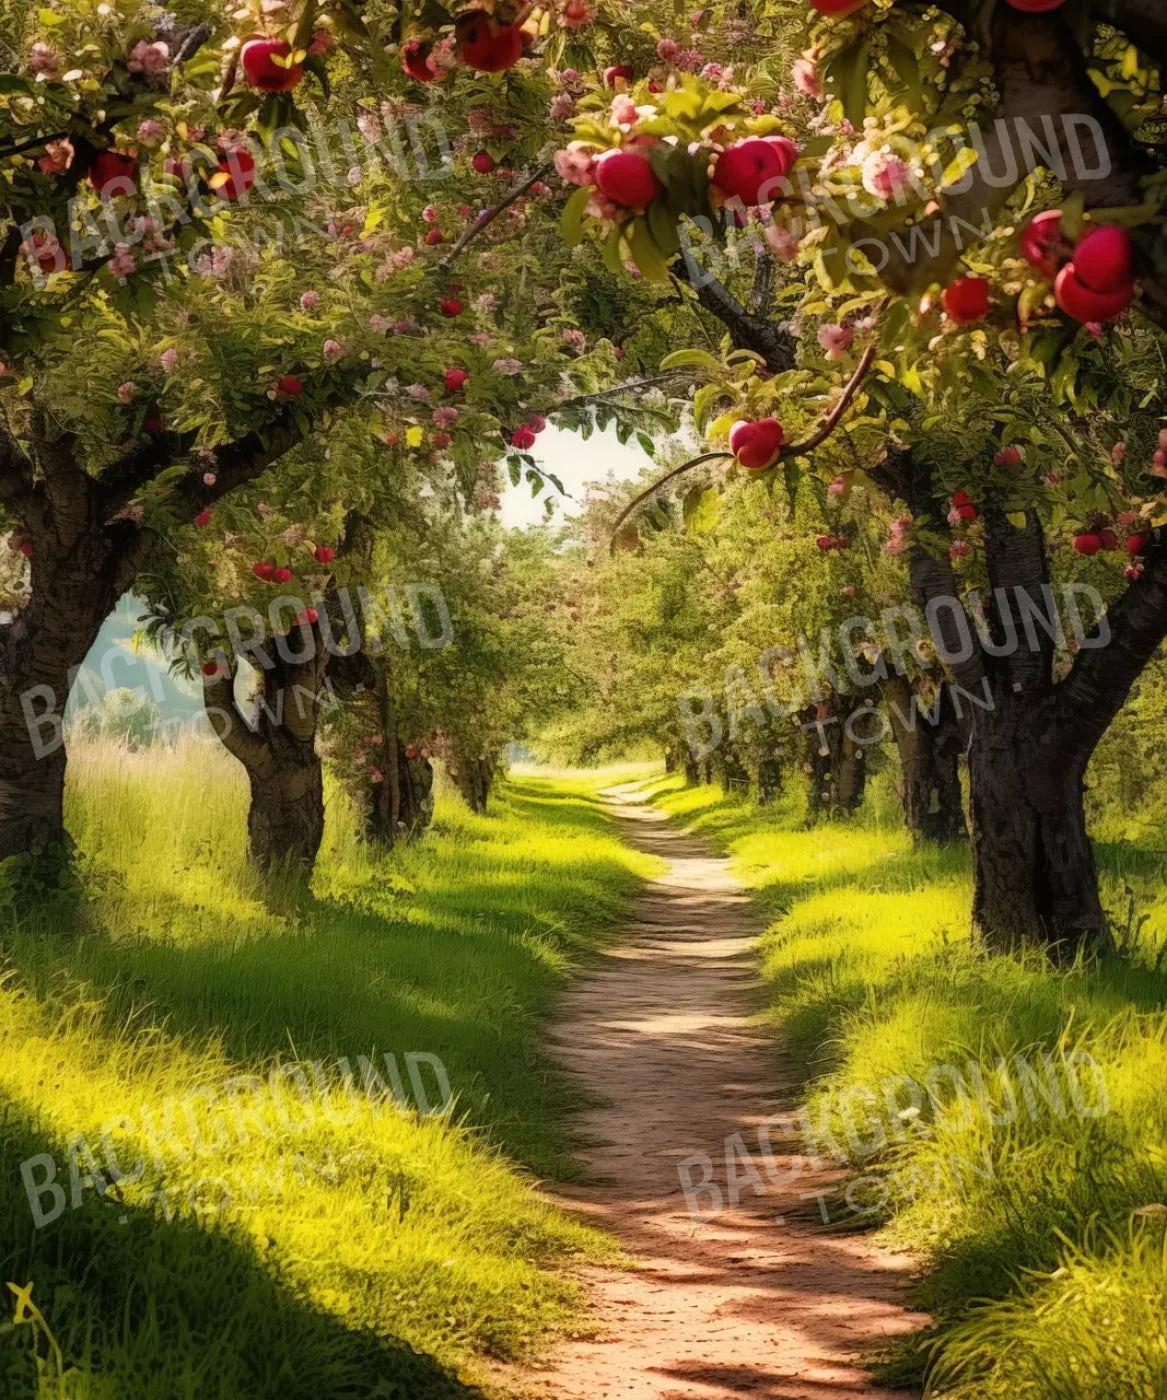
(80, 565)
(285, 823)
(928, 742)
(834, 763)
(413, 808)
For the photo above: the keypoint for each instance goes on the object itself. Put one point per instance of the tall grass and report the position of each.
(333, 1241)
(1042, 1229)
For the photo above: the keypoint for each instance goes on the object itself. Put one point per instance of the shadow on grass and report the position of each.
(147, 1309)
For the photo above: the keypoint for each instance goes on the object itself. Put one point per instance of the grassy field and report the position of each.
(1042, 1227)
(302, 1233)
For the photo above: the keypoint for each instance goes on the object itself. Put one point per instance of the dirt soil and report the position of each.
(758, 1299)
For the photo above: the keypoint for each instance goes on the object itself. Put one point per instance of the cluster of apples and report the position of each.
(825, 542)
(757, 444)
(265, 570)
(1092, 541)
(1093, 281)
(484, 44)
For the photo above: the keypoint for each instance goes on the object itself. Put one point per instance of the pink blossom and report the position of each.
(781, 242)
(689, 60)
(443, 57)
(668, 49)
(538, 189)
(333, 350)
(1159, 464)
(430, 214)
(1127, 518)
(309, 301)
(150, 131)
(838, 487)
(418, 391)
(576, 164)
(168, 359)
(849, 591)
(126, 391)
(618, 352)
(369, 126)
(835, 340)
(480, 338)
(624, 111)
(561, 107)
(147, 57)
(1118, 453)
(958, 549)
(403, 256)
(123, 262)
(574, 14)
(58, 157)
(507, 364)
(805, 76)
(377, 323)
(322, 40)
(1163, 438)
(445, 417)
(884, 175)
(575, 338)
(209, 478)
(44, 61)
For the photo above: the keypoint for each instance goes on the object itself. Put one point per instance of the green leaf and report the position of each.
(692, 359)
(647, 443)
(645, 254)
(663, 227)
(572, 220)
(903, 60)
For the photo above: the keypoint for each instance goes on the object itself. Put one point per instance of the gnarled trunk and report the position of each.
(80, 564)
(473, 777)
(834, 763)
(1035, 876)
(400, 810)
(277, 747)
(928, 741)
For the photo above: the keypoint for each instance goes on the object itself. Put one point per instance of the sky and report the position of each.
(575, 462)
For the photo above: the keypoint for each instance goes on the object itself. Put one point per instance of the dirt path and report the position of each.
(737, 1303)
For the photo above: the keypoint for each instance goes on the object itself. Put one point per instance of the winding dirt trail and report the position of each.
(735, 1303)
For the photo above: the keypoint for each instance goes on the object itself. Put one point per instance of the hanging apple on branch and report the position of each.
(644, 160)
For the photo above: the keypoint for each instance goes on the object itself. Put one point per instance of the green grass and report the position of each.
(374, 1252)
(1046, 1276)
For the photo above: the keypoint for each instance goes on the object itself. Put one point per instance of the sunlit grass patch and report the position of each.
(313, 1250)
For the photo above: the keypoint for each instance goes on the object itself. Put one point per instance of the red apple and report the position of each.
(750, 170)
(824, 542)
(451, 307)
(456, 379)
(1108, 539)
(1104, 259)
(290, 386)
(485, 45)
(963, 505)
(1041, 241)
(307, 617)
(413, 60)
(756, 445)
(203, 519)
(282, 575)
(1008, 457)
(837, 9)
(44, 251)
(483, 162)
(1035, 7)
(235, 175)
(966, 299)
(1087, 544)
(25, 548)
(522, 438)
(627, 179)
(411, 751)
(211, 668)
(258, 57)
(1078, 301)
(615, 73)
(434, 236)
(1137, 544)
(263, 569)
(324, 554)
(442, 440)
(109, 167)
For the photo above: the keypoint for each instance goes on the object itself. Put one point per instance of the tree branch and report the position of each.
(487, 218)
(746, 330)
(1089, 698)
